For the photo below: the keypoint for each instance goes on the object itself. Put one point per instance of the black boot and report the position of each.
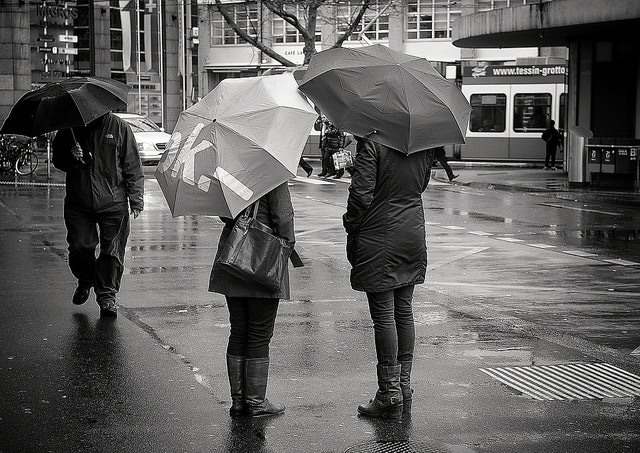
(256, 374)
(388, 399)
(235, 370)
(405, 384)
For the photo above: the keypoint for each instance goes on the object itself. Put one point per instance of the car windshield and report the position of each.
(142, 125)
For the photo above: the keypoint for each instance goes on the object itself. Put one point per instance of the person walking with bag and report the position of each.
(252, 312)
(386, 246)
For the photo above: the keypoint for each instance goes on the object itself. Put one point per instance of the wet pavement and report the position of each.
(525, 275)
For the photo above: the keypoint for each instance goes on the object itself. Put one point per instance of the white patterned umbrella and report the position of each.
(239, 142)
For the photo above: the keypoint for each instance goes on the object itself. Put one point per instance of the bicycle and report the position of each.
(17, 156)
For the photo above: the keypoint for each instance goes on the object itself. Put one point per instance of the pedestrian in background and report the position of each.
(440, 156)
(333, 141)
(305, 166)
(386, 246)
(104, 180)
(551, 137)
(252, 313)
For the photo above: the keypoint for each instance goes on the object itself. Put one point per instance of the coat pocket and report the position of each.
(352, 246)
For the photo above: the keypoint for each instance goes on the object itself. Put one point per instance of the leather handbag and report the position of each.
(254, 253)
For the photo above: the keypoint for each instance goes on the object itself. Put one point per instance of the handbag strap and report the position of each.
(296, 261)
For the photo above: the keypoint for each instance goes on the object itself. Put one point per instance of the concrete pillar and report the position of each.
(15, 55)
(396, 26)
(173, 80)
(468, 7)
(101, 39)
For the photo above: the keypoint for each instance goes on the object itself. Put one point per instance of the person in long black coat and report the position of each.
(252, 313)
(386, 246)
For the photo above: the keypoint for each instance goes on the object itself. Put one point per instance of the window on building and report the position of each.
(377, 28)
(283, 32)
(431, 19)
(244, 14)
(488, 112)
(486, 5)
(531, 112)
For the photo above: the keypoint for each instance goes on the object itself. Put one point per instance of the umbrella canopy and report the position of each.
(395, 99)
(58, 105)
(239, 142)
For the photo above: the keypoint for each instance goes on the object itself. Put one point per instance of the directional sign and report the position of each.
(66, 50)
(46, 49)
(67, 38)
(45, 38)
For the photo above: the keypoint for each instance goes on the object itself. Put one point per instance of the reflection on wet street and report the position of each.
(514, 280)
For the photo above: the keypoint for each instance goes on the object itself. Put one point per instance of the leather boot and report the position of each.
(256, 374)
(388, 399)
(405, 384)
(235, 369)
(405, 380)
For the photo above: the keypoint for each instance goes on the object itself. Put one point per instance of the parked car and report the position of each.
(152, 140)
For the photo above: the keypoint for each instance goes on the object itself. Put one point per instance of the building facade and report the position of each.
(417, 27)
(173, 52)
(138, 42)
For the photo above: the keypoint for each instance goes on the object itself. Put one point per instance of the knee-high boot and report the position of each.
(405, 380)
(235, 369)
(388, 399)
(256, 375)
(405, 383)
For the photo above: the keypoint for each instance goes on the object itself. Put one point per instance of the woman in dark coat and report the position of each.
(386, 246)
(252, 313)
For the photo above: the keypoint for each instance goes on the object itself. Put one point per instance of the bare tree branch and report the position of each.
(354, 24)
(306, 30)
(250, 39)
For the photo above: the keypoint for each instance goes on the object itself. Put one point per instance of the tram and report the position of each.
(511, 107)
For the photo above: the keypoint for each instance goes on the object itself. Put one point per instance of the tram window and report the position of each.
(488, 112)
(531, 112)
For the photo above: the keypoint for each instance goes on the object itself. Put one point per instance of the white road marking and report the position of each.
(622, 262)
(315, 181)
(481, 233)
(551, 205)
(579, 253)
(542, 246)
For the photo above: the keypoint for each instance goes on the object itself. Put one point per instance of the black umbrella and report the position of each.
(59, 105)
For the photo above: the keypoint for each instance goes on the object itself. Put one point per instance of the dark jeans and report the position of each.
(252, 321)
(85, 230)
(394, 330)
(447, 168)
(327, 161)
(550, 156)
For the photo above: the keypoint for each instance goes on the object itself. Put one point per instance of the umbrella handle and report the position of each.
(78, 145)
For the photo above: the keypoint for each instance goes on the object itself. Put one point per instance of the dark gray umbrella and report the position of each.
(393, 98)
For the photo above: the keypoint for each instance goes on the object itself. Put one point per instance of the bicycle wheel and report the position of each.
(26, 163)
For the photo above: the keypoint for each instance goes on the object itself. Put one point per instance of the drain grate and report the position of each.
(393, 447)
(568, 381)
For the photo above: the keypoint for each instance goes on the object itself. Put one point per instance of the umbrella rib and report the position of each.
(447, 110)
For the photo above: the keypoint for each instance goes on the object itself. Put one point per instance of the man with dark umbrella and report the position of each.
(104, 180)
